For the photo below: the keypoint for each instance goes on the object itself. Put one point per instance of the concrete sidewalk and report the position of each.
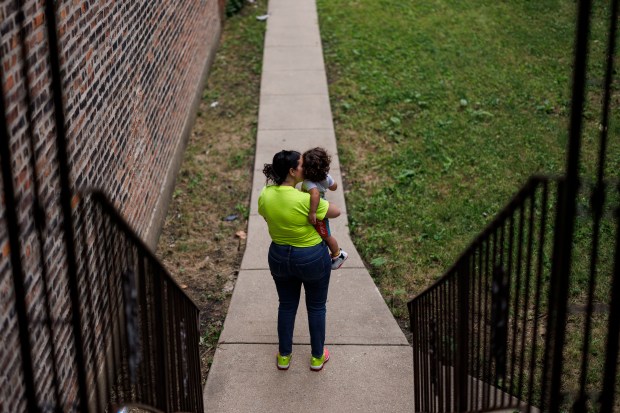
(371, 365)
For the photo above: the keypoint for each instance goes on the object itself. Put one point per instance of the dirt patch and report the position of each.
(203, 239)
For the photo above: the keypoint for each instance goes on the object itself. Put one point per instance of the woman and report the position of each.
(297, 255)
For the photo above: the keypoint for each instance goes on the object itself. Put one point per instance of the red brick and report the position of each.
(103, 107)
(74, 201)
(10, 82)
(38, 20)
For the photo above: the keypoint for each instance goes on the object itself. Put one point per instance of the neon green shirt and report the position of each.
(286, 211)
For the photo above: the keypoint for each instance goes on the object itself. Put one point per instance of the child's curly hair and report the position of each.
(316, 164)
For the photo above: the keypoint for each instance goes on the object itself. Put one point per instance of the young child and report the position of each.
(317, 181)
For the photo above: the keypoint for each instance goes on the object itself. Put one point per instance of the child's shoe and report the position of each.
(316, 363)
(283, 362)
(339, 260)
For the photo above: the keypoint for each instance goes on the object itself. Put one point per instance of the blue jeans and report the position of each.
(291, 267)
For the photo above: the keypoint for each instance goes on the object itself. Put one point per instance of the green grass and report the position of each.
(442, 110)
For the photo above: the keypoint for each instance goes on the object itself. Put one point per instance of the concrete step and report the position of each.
(244, 378)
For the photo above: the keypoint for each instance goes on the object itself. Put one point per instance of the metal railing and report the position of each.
(467, 346)
(145, 351)
(527, 317)
(97, 322)
(481, 333)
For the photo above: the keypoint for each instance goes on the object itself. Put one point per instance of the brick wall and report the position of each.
(131, 71)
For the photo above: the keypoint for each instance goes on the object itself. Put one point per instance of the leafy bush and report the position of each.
(234, 7)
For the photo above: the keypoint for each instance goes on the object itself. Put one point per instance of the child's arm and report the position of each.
(314, 204)
(331, 183)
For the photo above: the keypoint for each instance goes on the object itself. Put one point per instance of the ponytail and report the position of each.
(271, 174)
(283, 161)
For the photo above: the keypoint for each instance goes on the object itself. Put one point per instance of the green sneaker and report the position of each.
(283, 362)
(316, 363)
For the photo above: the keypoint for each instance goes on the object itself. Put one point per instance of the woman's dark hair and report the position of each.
(316, 164)
(283, 161)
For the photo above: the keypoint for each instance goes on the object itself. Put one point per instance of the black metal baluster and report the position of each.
(65, 202)
(432, 330)
(155, 337)
(564, 232)
(479, 339)
(510, 277)
(598, 200)
(453, 341)
(472, 348)
(495, 342)
(413, 326)
(463, 339)
(85, 207)
(16, 264)
(190, 399)
(110, 350)
(188, 371)
(145, 389)
(528, 280)
(422, 354)
(425, 360)
(517, 298)
(437, 350)
(115, 314)
(39, 213)
(196, 364)
(445, 346)
(539, 274)
(98, 250)
(486, 391)
(175, 348)
(551, 303)
(161, 318)
(432, 353)
(131, 353)
(613, 328)
(448, 345)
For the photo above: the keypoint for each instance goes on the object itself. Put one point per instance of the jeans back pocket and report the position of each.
(311, 270)
(276, 266)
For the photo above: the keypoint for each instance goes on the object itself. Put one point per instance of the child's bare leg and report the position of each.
(333, 245)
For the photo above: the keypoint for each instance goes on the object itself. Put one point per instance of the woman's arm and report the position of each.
(333, 211)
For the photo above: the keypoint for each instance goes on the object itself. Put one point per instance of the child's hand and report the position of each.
(312, 218)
